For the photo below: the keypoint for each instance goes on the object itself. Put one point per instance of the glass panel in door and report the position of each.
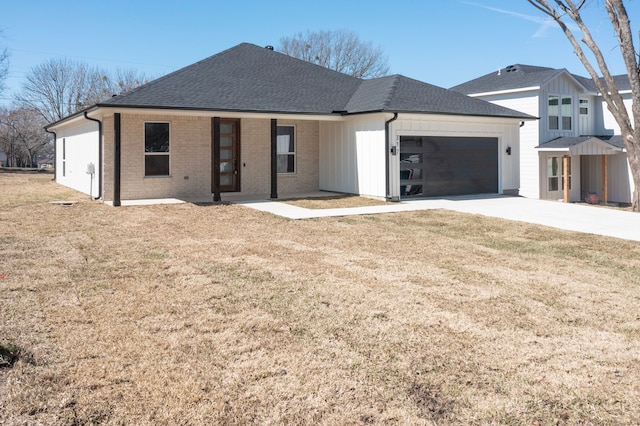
(229, 155)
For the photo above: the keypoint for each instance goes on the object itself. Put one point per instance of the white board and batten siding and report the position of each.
(619, 185)
(352, 153)
(563, 86)
(587, 122)
(607, 125)
(77, 147)
(529, 103)
(506, 131)
(352, 156)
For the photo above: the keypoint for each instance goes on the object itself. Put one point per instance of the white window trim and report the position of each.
(560, 115)
(560, 176)
(145, 153)
(294, 152)
(587, 102)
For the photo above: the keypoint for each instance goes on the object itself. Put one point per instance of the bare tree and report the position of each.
(126, 79)
(568, 10)
(4, 67)
(340, 51)
(22, 136)
(62, 87)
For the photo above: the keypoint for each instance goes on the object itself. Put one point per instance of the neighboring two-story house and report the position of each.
(576, 143)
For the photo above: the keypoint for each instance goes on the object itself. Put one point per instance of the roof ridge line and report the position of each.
(392, 90)
(159, 80)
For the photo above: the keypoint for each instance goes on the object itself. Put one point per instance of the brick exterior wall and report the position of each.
(107, 158)
(306, 177)
(190, 158)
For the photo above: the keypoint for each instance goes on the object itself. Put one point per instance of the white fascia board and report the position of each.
(622, 92)
(505, 92)
(553, 149)
(79, 116)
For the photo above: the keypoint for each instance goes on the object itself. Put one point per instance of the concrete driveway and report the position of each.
(571, 217)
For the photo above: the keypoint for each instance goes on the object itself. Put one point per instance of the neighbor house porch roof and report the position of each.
(604, 145)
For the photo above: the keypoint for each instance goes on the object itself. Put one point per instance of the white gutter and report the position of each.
(504, 92)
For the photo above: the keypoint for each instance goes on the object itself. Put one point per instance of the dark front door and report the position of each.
(229, 155)
(439, 166)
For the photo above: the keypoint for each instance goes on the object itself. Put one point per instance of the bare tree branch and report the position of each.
(567, 9)
(22, 136)
(61, 87)
(4, 67)
(340, 51)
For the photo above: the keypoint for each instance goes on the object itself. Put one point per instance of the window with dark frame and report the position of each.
(156, 149)
(286, 151)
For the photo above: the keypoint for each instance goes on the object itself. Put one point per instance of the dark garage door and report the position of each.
(437, 166)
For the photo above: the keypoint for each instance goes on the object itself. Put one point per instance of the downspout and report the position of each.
(387, 147)
(99, 195)
(55, 153)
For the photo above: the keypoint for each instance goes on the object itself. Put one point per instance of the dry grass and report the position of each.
(186, 314)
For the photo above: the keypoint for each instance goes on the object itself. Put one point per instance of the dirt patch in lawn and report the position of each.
(219, 314)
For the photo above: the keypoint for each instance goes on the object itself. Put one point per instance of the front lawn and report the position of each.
(219, 314)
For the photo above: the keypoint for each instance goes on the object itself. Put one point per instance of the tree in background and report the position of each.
(340, 51)
(61, 87)
(124, 80)
(4, 67)
(566, 11)
(23, 138)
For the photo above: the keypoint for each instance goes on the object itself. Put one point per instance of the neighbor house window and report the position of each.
(566, 113)
(286, 149)
(559, 113)
(584, 106)
(555, 173)
(156, 149)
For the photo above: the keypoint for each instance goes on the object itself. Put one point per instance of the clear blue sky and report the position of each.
(442, 42)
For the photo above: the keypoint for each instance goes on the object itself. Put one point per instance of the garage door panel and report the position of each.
(436, 166)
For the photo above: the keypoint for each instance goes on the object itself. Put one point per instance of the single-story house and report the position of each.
(576, 140)
(252, 121)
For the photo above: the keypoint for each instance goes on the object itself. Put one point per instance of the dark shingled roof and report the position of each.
(509, 78)
(521, 76)
(567, 142)
(246, 78)
(254, 79)
(402, 94)
(622, 82)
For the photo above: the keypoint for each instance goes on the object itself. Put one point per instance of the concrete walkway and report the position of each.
(571, 217)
